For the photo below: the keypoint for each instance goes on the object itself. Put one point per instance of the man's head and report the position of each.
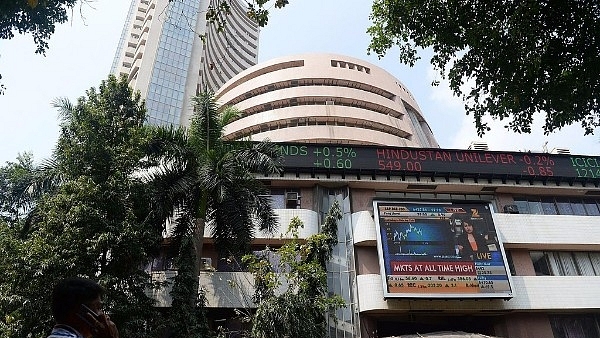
(70, 293)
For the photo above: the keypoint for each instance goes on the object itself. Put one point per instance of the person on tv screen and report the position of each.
(470, 243)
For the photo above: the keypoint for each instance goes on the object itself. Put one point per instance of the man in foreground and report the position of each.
(77, 310)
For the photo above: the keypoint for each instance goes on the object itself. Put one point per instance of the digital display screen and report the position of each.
(440, 250)
(397, 161)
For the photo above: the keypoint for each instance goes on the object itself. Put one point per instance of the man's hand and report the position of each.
(104, 327)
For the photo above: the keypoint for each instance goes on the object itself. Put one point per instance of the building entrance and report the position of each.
(421, 324)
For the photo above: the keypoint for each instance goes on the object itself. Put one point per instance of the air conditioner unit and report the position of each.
(329, 103)
(511, 209)
(478, 146)
(562, 151)
(292, 196)
(206, 264)
(292, 200)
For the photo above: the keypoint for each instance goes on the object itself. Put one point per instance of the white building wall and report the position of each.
(325, 98)
(532, 293)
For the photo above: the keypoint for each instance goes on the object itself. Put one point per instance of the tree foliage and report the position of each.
(202, 181)
(15, 180)
(208, 179)
(523, 57)
(260, 14)
(300, 311)
(97, 222)
(34, 17)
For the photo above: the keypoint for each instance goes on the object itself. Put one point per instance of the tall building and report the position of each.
(498, 243)
(169, 53)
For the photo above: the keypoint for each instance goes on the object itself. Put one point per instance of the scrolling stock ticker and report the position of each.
(323, 157)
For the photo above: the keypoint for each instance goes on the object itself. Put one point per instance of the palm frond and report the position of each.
(260, 157)
(169, 143)
(48, 177)
(65, 108)
(228, 114)
(205, 128)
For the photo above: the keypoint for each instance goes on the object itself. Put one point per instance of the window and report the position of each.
(522, 206)
(557, 206)
(285, 198)
(579, 326)
(578, 208)
(566, 263)
(564, 206)
(540, 263)
(548, 206)
(535, 207)
(511, 264)
(591, 207)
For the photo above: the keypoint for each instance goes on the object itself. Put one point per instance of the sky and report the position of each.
(81, 53)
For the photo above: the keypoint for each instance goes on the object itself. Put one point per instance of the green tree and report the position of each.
(204, 181)
(300, 311)
(97, 223)
(34, 17)
(523, 57)
(15, 180)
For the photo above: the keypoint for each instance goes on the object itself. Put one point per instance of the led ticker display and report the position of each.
(393, 160)
(440, 250)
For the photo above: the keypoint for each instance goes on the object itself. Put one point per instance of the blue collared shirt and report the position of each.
(64, 332)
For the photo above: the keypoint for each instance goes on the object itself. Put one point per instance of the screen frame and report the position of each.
(438, 295)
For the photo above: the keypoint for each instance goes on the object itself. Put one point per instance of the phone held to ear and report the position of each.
(85, 312)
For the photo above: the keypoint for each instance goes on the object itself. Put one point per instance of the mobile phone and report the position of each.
(83, 313)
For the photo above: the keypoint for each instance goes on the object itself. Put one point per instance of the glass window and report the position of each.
(591, 207)
(548, 206)
(578, 326)
(557, 206)
(584, 264)
(577, 207)
(511, 264)
(567, 264)
(595, 261)
(564, 206)
(535, 207)
(523, 206)
(540, 263)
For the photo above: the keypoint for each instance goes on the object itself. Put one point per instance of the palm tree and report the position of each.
(203, 181)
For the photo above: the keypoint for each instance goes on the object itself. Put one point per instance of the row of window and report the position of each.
(575, 326)
(566, 263)
(558, 206)
(345, 64)
(545, 263)
(318, 121)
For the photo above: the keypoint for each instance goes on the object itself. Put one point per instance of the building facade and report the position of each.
(324, 98)
(170, 53)
(352, 133)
